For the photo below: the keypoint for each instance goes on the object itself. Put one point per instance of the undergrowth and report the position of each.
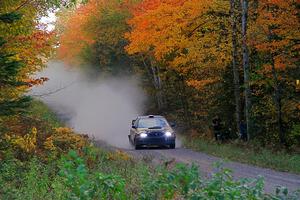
(99, 174)
(247, 153)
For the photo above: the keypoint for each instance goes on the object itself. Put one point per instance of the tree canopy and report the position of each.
(191, 56)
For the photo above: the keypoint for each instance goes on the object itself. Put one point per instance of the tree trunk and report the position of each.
(184, 100)
(277, 89)
(278, 101)
(157, 85)
(154, 71)
(246, 66)
(235, 69)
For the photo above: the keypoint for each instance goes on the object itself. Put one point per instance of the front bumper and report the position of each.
(161, 140)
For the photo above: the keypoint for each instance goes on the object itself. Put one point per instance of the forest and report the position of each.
(199, 59)
(237, 60)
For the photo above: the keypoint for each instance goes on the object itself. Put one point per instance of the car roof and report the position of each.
(149, 116)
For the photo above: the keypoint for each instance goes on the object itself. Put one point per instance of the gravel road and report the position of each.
(205, 162)
(64, 110)
(272, 178)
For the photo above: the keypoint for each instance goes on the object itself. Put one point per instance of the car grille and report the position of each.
(155, 134)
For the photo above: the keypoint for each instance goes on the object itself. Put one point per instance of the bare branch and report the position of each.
(22, 5)
(196, 28)
(52, 92)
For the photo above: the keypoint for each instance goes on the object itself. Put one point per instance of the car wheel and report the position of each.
(172, 146)
(136, 146)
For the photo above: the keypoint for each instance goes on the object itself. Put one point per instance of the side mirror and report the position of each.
(133, 127)
(132, 122)
(172, 124)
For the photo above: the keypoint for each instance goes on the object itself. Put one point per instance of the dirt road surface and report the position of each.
(205, 162)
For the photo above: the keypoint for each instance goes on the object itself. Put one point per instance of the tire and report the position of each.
(136, 146)
(130, 142)
(172, 146)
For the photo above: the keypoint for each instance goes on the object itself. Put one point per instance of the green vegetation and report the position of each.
(64, 169)
(185, 65)
(199, 59)
(98, 174)
(39, 110)
(10, 103)
(247, 153)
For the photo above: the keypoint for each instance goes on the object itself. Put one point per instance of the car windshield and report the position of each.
(152, 123)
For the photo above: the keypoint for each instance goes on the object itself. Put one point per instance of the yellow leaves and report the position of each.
(27, 143)
(118, 155)
(200, 84)
(48, 144)
(63, 139)
(298, 89)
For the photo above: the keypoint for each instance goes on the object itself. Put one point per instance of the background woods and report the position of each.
(195, 59)
(198, 59)
(25, 47)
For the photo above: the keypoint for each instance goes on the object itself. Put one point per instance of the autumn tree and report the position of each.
(245, 8)
(194, 56)
(73, 42)
(182, 36)
(234, 6)
(99, 37)
(8, 74)
(276, 38)
(25, 46)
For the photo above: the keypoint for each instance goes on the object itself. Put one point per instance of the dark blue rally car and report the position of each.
(152, 130)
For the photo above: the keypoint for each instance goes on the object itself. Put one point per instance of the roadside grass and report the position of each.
(39, 110)
(247, 153)
(95, 173)
(100, 174)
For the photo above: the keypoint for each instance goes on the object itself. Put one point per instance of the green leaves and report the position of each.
(85, 185)
(10, 17)
(70, 178)
(15, 106)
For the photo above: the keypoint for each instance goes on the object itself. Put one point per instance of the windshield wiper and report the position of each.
(155, 127)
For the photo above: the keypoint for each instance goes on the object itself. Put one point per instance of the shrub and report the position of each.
(84, 185)
(71, 178)
(294, 135)
(61, 140)
(27, 143)
(64, 139)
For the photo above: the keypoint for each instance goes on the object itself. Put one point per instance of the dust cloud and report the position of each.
(103, 108)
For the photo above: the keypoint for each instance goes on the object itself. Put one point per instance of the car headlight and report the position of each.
(168, 134)
(143, 134)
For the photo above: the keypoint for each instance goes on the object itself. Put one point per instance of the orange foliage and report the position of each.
(75, 36)
(275, 31)
(101, 22)
(183, 35)
(200, 84)
(38, 81)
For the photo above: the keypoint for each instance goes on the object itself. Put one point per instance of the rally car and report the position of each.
(152, 130)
